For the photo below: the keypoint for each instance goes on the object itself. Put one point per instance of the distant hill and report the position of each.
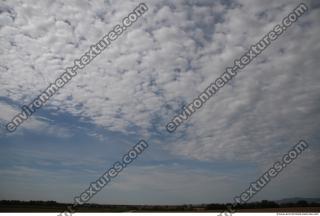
(297, 199)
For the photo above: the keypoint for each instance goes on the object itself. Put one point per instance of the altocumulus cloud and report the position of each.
(164, 61)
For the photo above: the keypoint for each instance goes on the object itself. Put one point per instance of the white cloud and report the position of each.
(165, 59)
(36, 124)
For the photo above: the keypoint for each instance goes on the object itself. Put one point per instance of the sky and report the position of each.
(133, 89)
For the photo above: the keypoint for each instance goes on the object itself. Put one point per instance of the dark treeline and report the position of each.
(264, 204)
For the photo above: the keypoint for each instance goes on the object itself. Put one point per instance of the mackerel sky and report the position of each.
(131, 91)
